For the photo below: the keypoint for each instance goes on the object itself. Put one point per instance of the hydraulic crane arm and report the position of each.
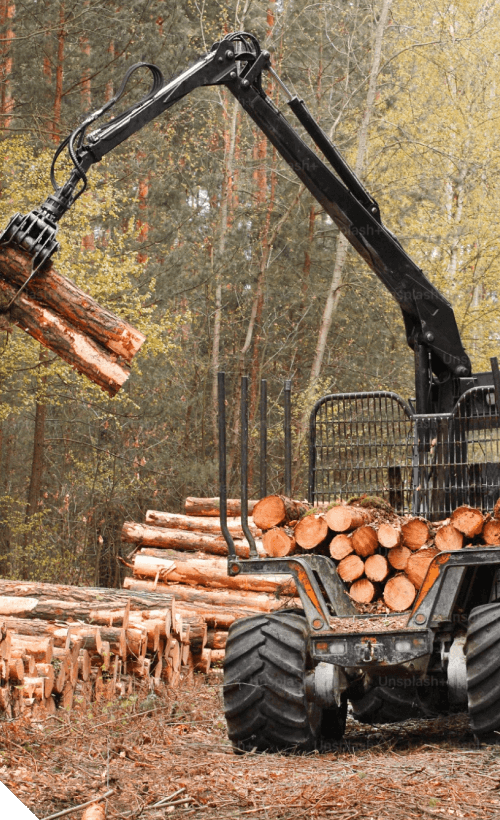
(237, 62)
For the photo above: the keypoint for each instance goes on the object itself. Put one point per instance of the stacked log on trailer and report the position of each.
(381, 557)
(185, 556)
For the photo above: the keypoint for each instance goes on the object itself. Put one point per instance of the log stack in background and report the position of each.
(58, 643)
(184, 556)
(381, 557)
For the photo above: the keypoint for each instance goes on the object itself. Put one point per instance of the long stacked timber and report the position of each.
(381, 557)
(68, 321)
(184, 555)
(58, 643)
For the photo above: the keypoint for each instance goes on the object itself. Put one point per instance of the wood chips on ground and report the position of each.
(417, 769)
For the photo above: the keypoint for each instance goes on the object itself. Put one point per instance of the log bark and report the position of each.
(148, 536)
(216, 639)
(241, 600)
(197, 523)
(351, 568)
(449, 538)
(276, 510)
(398, 557)
(418, 564)
(343, 518)
(362, 591)
(311, 531)
(491, 532)
(54, 291)
(57, 334)
(399, 593)
(364, 541)
(468, 520)
(62, 603)
(415, 533)
(211, 573)
(388, 535)
(278, 543)
(211, 506)
(376, 568)
(340, 547)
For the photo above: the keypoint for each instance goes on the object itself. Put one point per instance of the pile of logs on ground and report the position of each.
(380, 556)
(184, 556)
(58, 643)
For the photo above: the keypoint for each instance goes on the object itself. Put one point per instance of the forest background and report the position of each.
(197, 233)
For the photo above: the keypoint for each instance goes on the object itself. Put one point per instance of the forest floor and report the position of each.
(417, 769)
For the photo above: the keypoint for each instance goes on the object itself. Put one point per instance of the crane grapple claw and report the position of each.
(34, 233)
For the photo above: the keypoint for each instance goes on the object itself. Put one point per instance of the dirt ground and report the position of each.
(146, 749)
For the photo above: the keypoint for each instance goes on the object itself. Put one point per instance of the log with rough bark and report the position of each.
(491, 532)
(415, 533)
(343, 518)
(197, 523)
(398, 557)
(468, 520)
(418, 564)
(388, 535)
(148, 536)
(278, 543)
(364, 541)
(207, 572)
(449, 538)
(376, 568)
(399, 593)
(51, 289)
(311, 531)
(211, 598)
(276, 510)
(53, 331)
(351, 568)
(362, 591)
(61, 602)
(211, 506)
(340, 546)
(216, 639)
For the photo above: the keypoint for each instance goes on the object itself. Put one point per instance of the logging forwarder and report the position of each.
(289, 675)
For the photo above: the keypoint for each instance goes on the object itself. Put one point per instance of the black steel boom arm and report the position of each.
(238, 62)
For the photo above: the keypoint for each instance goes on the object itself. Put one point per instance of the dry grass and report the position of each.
(413, 770)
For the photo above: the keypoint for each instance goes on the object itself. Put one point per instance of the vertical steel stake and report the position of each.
(221, 395)
(263, 438)
(288, 439)
(244, 467)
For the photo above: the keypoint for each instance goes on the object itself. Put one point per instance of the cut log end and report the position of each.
(351, 568)
(399, 593)
(277, 543)
(468, 520)
(311, 531)
(364, 541)
(415, 533)
(362, 591)
(340, 547)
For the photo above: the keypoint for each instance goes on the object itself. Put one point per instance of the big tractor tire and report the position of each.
(482, 655)
(387, 704)
(266, 700)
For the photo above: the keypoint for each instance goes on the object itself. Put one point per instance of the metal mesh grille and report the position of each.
(372, 443)
(362, 443)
